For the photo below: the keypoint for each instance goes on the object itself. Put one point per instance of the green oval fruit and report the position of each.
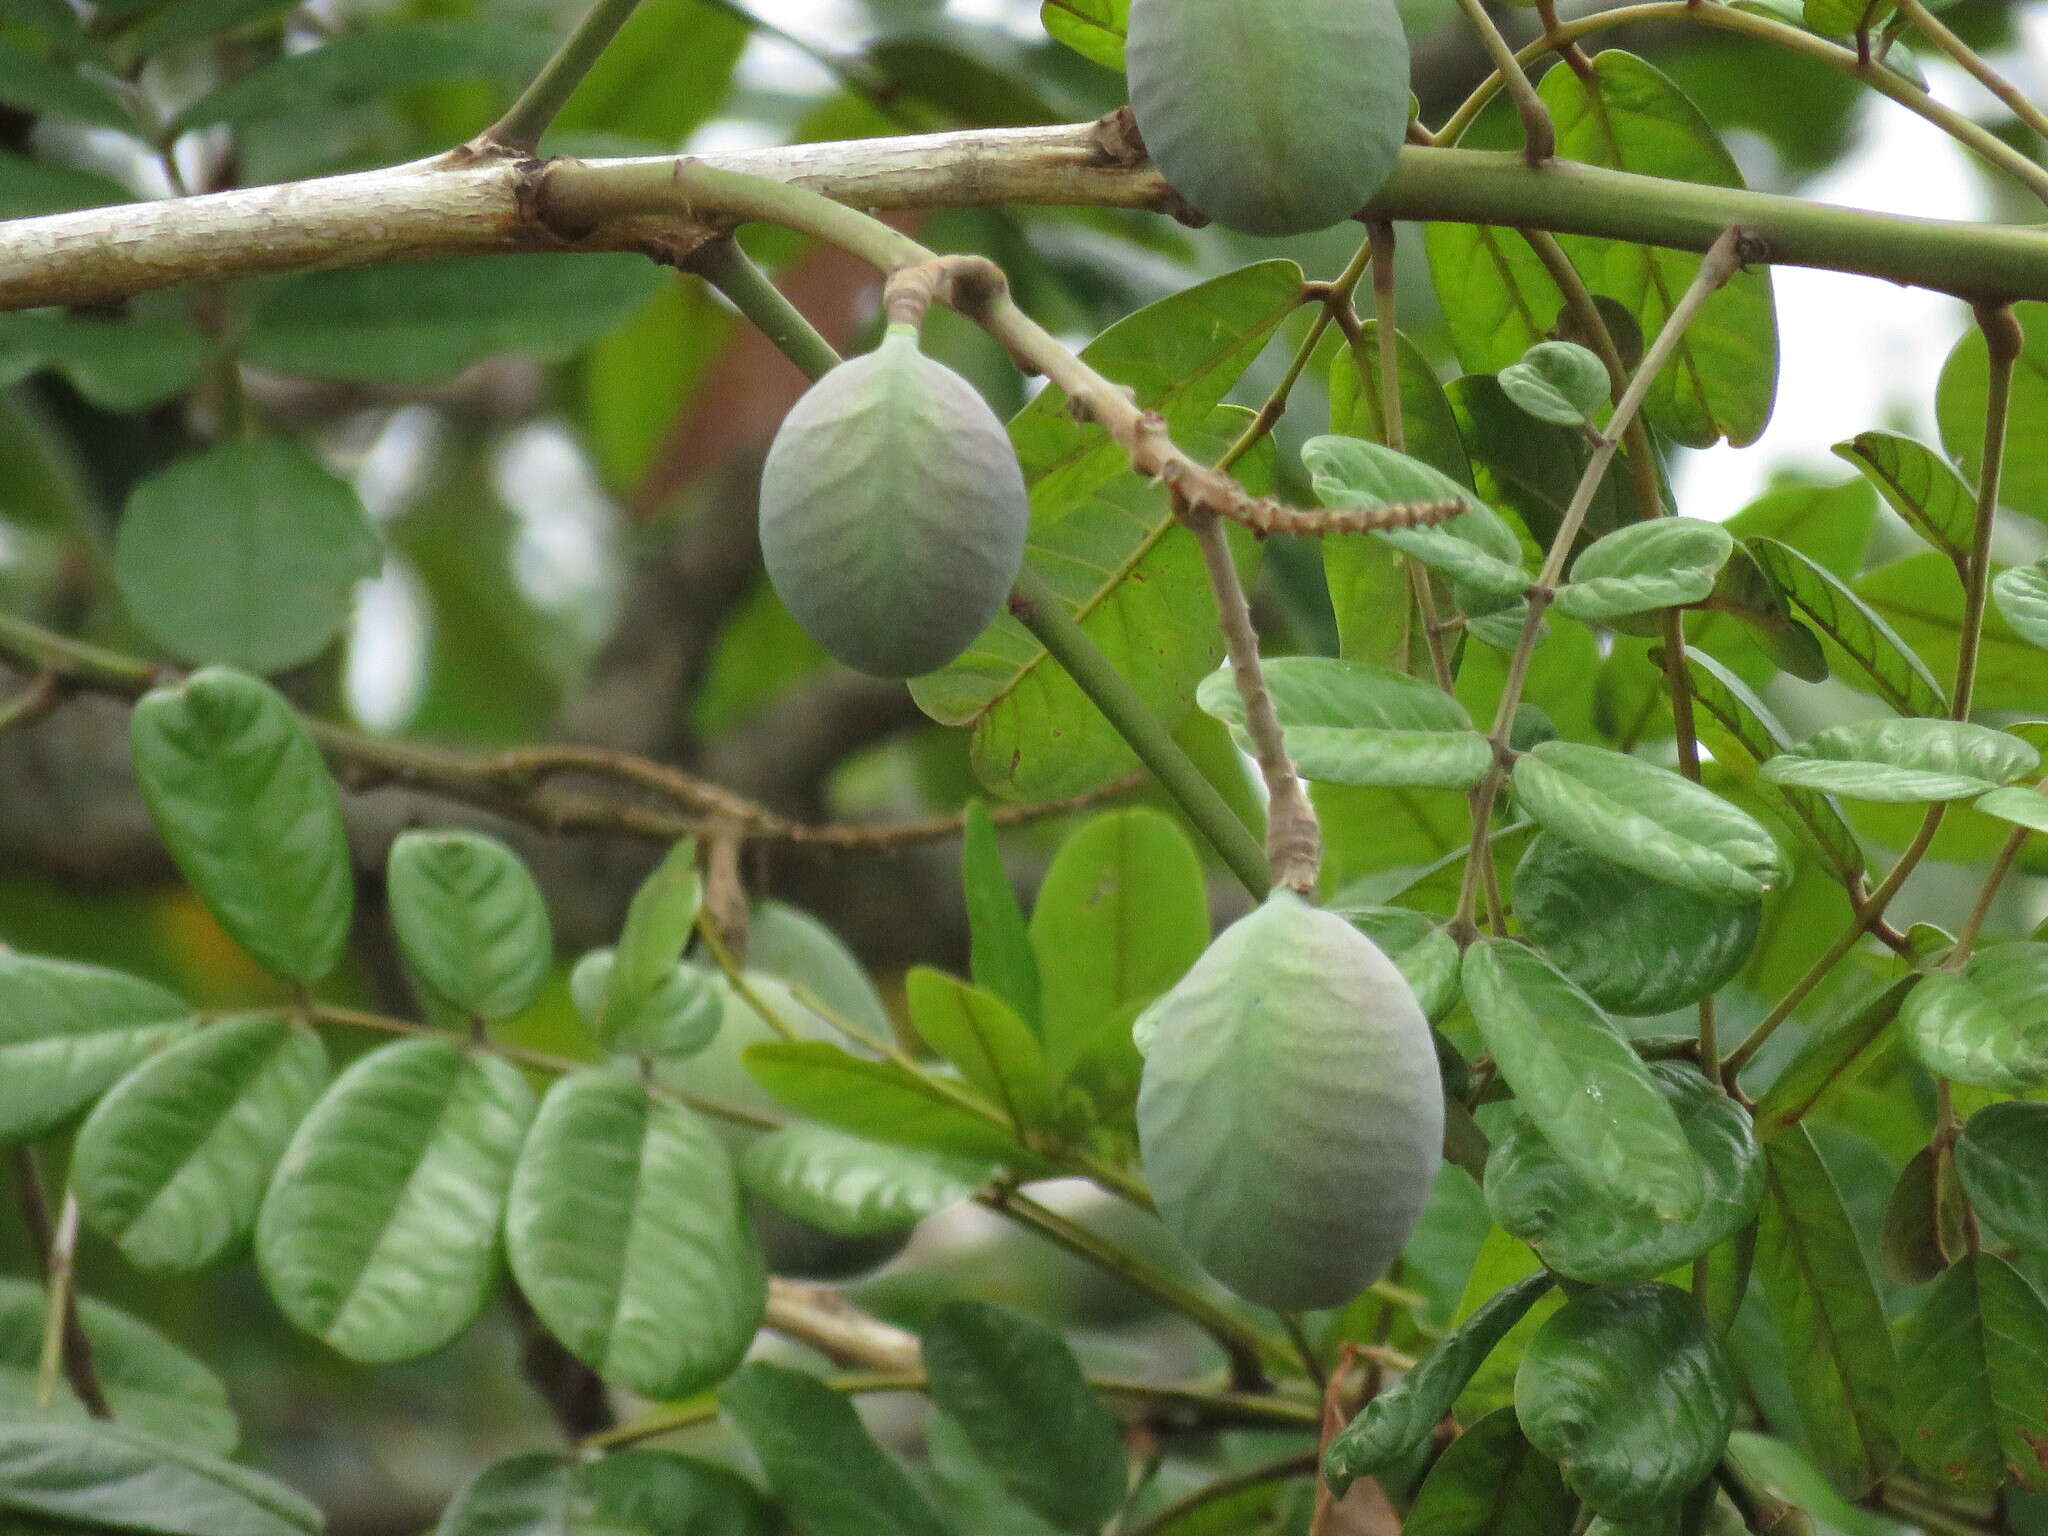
(1274, 117)
(893, 511)
(1291, 1111)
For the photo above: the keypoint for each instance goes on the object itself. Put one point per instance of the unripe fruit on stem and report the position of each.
(1274, 117)
(893, 511)
(1291, 1113)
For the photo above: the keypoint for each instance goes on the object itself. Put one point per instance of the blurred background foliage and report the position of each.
(559, 453)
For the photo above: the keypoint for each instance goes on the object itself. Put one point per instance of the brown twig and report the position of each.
(55, 1250)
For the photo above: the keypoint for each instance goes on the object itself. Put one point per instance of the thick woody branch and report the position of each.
(456, 206)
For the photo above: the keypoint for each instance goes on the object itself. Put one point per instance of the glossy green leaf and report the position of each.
(412, 323)
(1661, 564)
(1580, 1082)
(68, 1031)
(1419, 945)
(247, 808)
(1825, 1058)
(624, 1493)
(1920, 486)
(2021, 595)
(172, 1165)
(1649, 819)
(1583, 1232)
(680, 1017)
(1986, 1024)
(2022, 807)
(2002, 1160)
(668, 1302)
(1920, 598)
(1531, 469)
(470, 919)
(1895, 672)
(1476, 547)
(1349, 722)
(1905, 762)
(111, 1475)
(1092, 28)
(993, 1048)
(1973, 1378)
(1823, 1306)
(1109, 546)
(1961, 396)
(294, 534)
(380, 1231)
(879, 1100)
(1121, 915)
(999, 942)
(788, 943)
(820, 1459)
(852, 1187)
(1922, 1229)
(1841, 18)
(151, 1384)
(1632, 944)
(1492, 1482)
(1401, 1417)
(1748, 730)
(1559, 382)
(1628, 1390)
(1012, 1384)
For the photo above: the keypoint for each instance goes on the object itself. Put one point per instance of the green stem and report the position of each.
(519, 130)
(1039, 610)
(2003, 340)
(726, 267)
(1886, 82)
(1247, 1350)
(1932, 28)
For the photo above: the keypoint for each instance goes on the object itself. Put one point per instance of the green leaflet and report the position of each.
(1350, 722)
(1905, 761)
(380, 1231)
(1649, 819)
(1960, 399)
(1823, 1304)
(2002, 1160)
(295, 535)
(1399, 1418)
(1825, 1057)
(1559, 382)
(1665, 563)
(1973, 1377)
(2021, 595)
(245, 804)
(470, 919)
(1920, 486)
(819, 1458)
(1531, 469)
(1001, 957)
(67, 1031)
(1492, 1482)
(1922, 1230)
(1092, 28)
(790, 944)
(1109, 546)
(1748, 730)
(173, 1163)
(107, 1474)
(851, 1187)
(1014, 1387)
(679, 1017)
(659, 922)
(2022, 807)
(151, 1384)
(1919, 598)
(1121, 915)
(1633, 944)
(1475, 548)
(696, 39)
(1581, 1082)
(1582, 1232)
(667, 1304)
(881, 1100)
(1895, 672)
(1628, 1389)
(1986, 1024)
(644, 1493)
(993, 1048)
